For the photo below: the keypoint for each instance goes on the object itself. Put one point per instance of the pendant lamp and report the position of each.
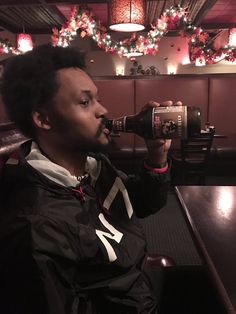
(127, 15)
(24, 42)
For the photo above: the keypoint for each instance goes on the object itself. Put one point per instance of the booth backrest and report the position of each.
(118, 97)
(222, 108)
(3, 115)
(10, 140)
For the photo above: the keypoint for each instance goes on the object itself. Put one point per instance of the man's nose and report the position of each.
(101, 110)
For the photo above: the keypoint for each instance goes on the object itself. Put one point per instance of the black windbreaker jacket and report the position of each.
(79, 249)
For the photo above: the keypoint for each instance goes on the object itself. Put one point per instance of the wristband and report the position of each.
(158, 168)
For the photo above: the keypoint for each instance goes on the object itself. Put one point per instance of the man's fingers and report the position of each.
(167, 103)
(150, 104)
(178, 103)
(153, 103)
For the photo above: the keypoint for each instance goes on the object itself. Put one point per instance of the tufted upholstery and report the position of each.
(222, 109)
(118, 97)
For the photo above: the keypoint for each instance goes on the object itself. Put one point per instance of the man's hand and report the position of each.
(158, 148)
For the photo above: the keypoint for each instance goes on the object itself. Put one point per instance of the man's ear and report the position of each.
(41, 120)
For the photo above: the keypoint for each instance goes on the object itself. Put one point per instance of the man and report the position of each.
(70, 240)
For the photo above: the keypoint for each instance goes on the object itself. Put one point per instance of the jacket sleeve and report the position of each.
(148, 191)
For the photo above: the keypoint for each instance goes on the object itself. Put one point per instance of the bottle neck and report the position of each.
(130, 124)
(118, 125)
(140, 124)
(122, 124)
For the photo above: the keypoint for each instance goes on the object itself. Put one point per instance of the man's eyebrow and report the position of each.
(86, 92)
(83, 93)
(89, 93)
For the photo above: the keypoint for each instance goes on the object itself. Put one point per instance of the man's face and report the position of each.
(76, 115)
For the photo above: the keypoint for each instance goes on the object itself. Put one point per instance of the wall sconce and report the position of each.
(24, 42)
(186, 60)
(127, 15)
(120, 70)
(171, 69)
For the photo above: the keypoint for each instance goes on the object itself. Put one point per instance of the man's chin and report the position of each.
(102, 148)
(95, 148)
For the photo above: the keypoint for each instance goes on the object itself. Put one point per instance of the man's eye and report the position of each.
(84, 103)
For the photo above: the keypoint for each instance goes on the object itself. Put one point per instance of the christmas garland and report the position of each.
(84, 21)
(172, 19)
(6, 47)
(200, 47)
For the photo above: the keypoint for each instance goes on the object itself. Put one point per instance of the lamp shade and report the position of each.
(127, 15)
(133, 54)
(24, 42)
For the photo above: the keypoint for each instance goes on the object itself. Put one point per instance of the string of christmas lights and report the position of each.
(6, 47)
(24, 44)
(84, 22)
(201, 50)
(173, 18)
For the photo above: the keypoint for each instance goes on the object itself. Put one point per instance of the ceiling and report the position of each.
(40, 16)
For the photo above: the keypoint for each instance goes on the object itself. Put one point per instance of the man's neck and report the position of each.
(73, 162)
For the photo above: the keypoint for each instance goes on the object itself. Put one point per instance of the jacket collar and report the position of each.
(56, 172)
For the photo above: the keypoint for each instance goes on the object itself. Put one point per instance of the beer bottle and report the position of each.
(159, 122)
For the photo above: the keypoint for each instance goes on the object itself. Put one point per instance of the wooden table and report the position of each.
(203, 132)
(220, 136)
(211, 212)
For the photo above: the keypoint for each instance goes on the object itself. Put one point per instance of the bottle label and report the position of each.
(169, 122)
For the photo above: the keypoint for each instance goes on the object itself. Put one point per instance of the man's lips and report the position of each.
(104, 126)
(106, 131)
(102, 130)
